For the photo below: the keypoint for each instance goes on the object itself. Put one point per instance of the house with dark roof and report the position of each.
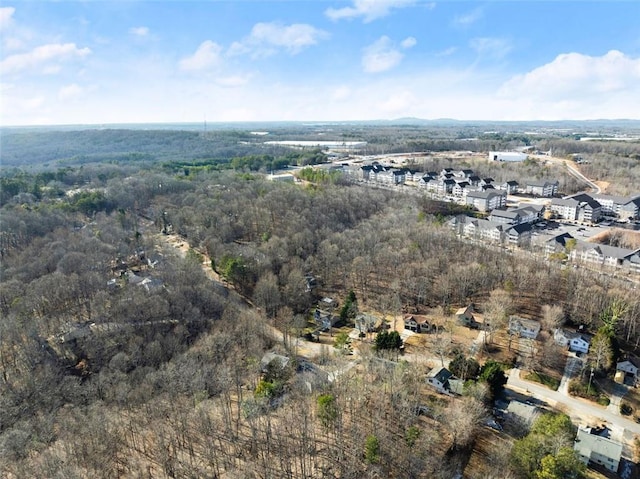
(556, 244)
(444, 381)
(459, 188)
(511, 187)
(474, 180)
(577, 208)
(417, 324)
(519, 235)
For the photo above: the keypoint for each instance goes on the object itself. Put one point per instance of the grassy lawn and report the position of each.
(591, 392)
(539, 377)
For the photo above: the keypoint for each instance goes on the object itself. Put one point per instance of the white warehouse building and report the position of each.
(506, 156)
(323, 145)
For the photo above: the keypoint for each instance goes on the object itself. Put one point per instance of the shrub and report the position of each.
(625, 409)
(372, 449)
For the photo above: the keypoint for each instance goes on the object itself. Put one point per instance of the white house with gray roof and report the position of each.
(524, 328)
(597, 449)
(574, 341)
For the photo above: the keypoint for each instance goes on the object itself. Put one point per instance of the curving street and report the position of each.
(580, 410)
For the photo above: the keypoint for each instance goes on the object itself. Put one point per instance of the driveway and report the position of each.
(571, 369)
(619, 390)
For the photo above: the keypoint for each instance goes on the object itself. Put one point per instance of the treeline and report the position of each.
(119, 358)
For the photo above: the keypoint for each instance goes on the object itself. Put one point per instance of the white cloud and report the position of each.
(6, 17)
(70, 92)
(380, 56)
(587, 83)
(369, 10)
(491, 47)
(139, 31)
(409, 42)
(267, 38)
(447, 52)
(43, 56)
(206, 56)
(468, 18)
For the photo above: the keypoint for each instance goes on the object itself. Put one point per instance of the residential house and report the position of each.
(597, 449)
(328, 303)
(487, 200)
(629, 368)
(522, 413)
(417, 324)
(444, 381)
(543, 188)
(576, 342)
(366, 323)
(465, 317)
(524, 328)
(270, 358)
(511, 187)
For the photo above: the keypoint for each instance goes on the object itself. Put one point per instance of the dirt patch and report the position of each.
(603, 185)
(618, 237)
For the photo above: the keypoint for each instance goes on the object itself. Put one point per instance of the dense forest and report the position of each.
(120, 357)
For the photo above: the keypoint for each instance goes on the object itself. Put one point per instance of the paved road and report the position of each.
(579, 410)
(573, 171)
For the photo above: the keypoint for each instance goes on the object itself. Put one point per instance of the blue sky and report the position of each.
(121, 61)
